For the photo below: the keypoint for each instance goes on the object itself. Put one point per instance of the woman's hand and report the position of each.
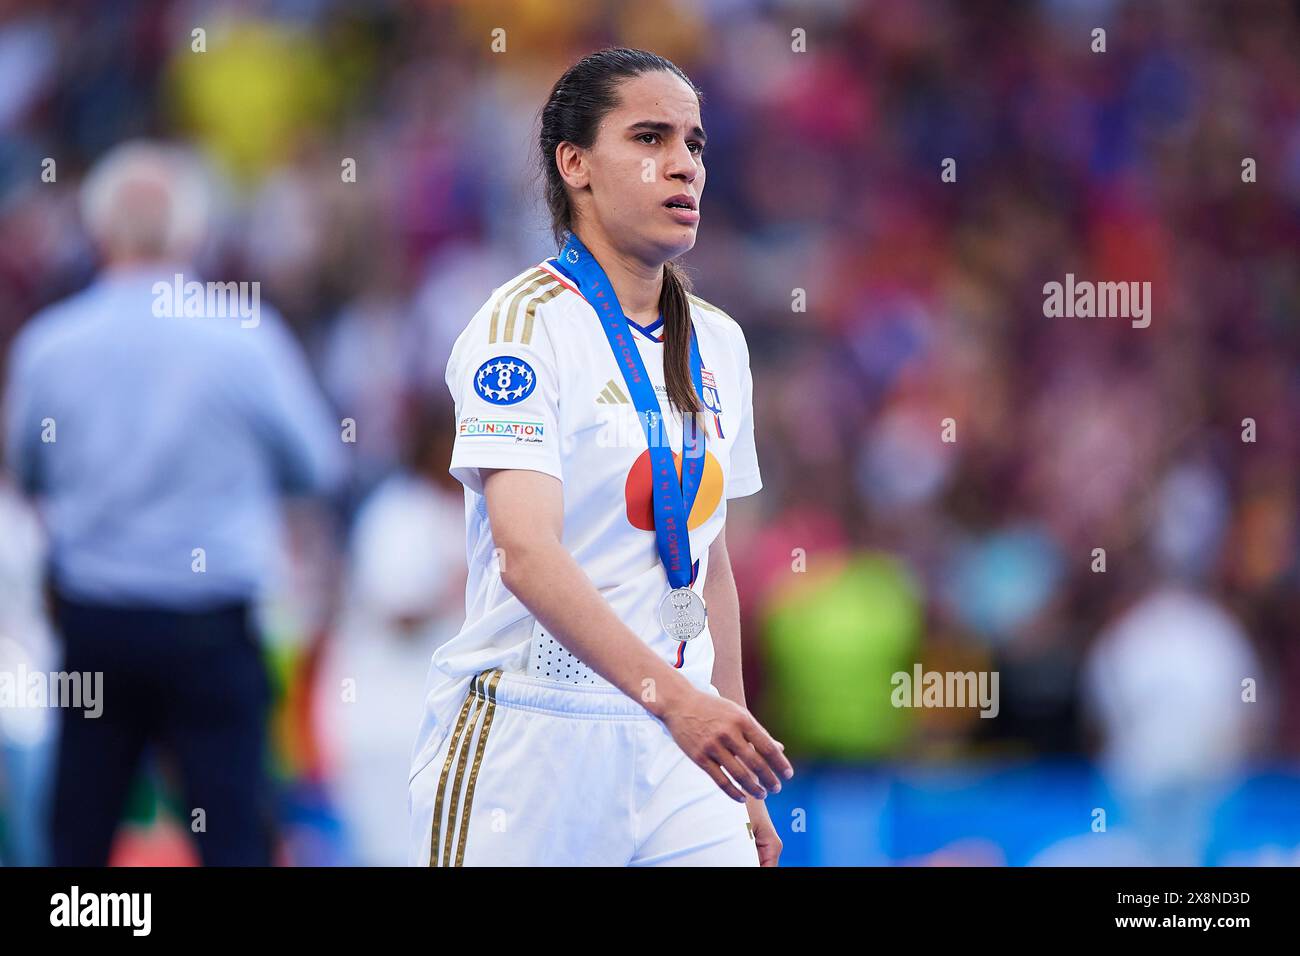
(718, 734)
(769, 844)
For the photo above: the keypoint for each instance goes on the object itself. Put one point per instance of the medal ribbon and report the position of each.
(672, 501)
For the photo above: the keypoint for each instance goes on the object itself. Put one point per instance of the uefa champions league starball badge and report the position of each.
(681, 613)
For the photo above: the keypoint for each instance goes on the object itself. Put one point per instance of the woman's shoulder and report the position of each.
(539, 281)
(708, 311)
(513, 311)
(718, 320)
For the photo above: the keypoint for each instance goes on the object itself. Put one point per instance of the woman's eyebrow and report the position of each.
(656, 126)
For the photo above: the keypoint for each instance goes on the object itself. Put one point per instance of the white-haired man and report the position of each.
(157, 441)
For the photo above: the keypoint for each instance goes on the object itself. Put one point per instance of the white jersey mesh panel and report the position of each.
(551, 660)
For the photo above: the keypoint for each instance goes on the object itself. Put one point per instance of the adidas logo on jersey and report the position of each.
(612, 394)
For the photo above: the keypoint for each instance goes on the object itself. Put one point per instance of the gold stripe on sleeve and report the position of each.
(531, 312)
(478, 761)
(537, 285)
(531, 276)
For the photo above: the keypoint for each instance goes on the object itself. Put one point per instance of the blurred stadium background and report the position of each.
(924, 302)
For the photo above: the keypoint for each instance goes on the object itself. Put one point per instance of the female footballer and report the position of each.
(591, 710)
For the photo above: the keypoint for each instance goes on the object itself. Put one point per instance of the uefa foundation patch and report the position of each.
(517, 432)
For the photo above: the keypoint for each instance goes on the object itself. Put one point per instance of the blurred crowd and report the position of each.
(941, 461)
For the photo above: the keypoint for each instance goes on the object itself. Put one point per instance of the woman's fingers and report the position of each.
(731, 746)
(758, 766)
(773, 753)
(711, 767)
(738, 771)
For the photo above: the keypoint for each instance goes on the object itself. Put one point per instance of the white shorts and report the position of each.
(539, 773)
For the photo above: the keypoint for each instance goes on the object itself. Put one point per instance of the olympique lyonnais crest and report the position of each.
(712, 399)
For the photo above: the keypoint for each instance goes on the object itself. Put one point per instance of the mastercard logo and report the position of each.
(640, 494)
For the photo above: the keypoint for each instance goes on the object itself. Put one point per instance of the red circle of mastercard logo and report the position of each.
(640, 494)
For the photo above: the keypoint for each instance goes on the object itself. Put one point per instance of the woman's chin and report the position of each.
(679, 241)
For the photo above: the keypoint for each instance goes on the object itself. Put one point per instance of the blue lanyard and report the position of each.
(672, 501)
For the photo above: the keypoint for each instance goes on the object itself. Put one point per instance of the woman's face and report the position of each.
(646, 158)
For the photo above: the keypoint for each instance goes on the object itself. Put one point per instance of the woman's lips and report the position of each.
(685, 216)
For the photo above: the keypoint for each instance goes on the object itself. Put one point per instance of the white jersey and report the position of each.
(537, 387)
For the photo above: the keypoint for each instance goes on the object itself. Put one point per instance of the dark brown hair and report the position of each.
(578, 102)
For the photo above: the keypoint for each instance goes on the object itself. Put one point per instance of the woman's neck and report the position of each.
(636, 283)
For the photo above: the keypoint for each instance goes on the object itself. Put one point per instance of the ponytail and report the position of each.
(676, 308)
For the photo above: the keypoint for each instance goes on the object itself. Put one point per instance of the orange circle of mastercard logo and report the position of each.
(640, 495)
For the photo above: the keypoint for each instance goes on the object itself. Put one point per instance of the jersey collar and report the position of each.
(651, 333)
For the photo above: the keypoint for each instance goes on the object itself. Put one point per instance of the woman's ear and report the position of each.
(571, 161)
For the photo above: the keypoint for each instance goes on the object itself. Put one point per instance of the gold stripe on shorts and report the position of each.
(463, 758)
(481, 701)
(446, 769)
(478, 761)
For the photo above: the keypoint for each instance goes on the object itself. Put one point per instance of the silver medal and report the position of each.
(681, 613)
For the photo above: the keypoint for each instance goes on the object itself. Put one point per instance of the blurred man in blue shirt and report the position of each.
(157, 435)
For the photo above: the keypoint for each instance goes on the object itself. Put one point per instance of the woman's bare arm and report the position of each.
(724, 621)
(526, 512)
